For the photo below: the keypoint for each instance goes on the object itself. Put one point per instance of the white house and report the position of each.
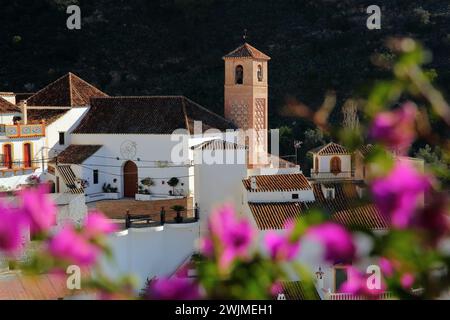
(331, 161)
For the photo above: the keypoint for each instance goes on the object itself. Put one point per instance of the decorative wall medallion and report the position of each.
(128, 149)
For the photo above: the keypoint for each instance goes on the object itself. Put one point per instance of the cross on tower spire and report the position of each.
(245, 36)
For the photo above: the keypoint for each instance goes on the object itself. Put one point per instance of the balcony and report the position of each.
(343, 175)
(23, 130)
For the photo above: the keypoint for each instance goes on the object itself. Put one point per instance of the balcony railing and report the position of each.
(333, 175)
(350, 296)
(23, 130)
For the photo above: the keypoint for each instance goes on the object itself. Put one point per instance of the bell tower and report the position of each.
(246, 94)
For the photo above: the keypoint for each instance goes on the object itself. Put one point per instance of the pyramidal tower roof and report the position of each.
(69, 90)
(247, 51)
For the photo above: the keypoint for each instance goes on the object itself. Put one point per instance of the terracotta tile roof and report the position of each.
(8, 107)
(47, 115)
(295, 290)
(14, 286)
(247, 51)
(77, 153)
(69, 179)
(366, 149)
(278, 182)
(148, 115)
(346, 208)
(21, 96)
(329, 149)
(218, 144)
(363, 217)
(69, 90)
(273, 215)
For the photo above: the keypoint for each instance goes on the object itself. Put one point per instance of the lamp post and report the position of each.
(297, 145)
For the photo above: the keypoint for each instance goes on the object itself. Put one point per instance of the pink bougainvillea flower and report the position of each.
(386, 266)
(206, 247)
(276, 289)
(397, 194)
(69, 245)
(357, 284)
(435, 217)
(335, 239)
(38, 208)
(407, 280)
(282, 246)
(174, 289)
(12, 223)
(234, 235)
(96, 224)
(395, 129)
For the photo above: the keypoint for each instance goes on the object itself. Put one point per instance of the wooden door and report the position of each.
(7, 156)
(130, 179)
(27, 155)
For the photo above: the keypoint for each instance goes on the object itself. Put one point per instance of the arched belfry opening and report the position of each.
(239, 75)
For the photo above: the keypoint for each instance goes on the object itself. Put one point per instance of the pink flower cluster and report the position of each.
(231, 237)
(174, 289)
(37, 213)
(395, 129)
(397, 195)
(80, 247)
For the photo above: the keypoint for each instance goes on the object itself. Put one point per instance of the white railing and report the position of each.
(350, 296)
(333, 175)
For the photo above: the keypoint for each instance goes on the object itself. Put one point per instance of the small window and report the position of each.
(95, 176)
(260, 73)
(62, 136)
(239, 75)
(295, 196)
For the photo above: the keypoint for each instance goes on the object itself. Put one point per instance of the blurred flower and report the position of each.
(407, 280)
(96, 224)
(71, 246)
(282, 246)
(356, 284)
(11, 224)
(174, 289)
(435, 217)
(276, 289)
(397, 194)
(207, 247)
(335, 239)
(234, 235)
(38, 208)
(386, 266)
(395, 129)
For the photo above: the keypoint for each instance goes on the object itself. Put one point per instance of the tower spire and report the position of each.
(245, 36)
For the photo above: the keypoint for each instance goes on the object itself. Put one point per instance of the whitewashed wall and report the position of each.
(286, 196)
(324, 163)
(216, 185)
(150, 149)
(151, 252)
(66, 123)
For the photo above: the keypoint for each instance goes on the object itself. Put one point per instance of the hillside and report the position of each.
(175, 46)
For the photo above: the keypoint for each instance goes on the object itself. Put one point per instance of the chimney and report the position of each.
(25, 112)
(253, 185)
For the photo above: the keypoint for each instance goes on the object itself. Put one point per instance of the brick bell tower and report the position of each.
(246, 94)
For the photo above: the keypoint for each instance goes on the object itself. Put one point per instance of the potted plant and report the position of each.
(178, 209)
(110, 192)
(144, 193)
(173, 182)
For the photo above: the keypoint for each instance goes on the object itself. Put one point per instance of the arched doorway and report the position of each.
(130, 179)
(335, 165)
